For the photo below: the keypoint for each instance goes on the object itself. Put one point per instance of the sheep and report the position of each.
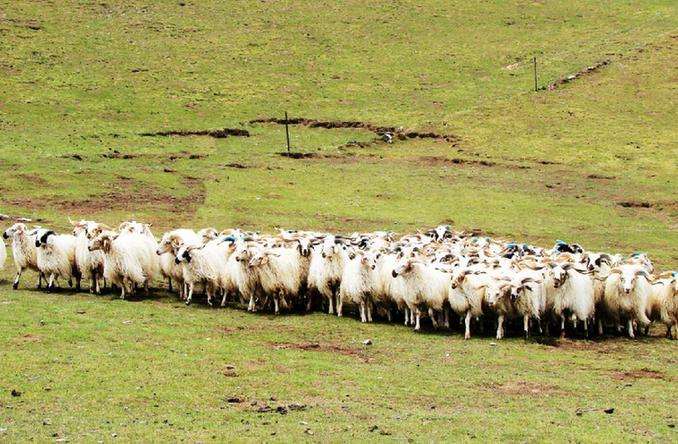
(326, 268)
(206, 265)
(356, 283)
(662, 302)
(527, 293)
(425, 286)
(498, 299)
(90, 263)
(600, 265)
(3, 254)
(573, 292)
(128, 259)
(279, 272)
(56, 257)
(241, 253)
(467, 295)
(24, 251)
(167, 249)
(383, 292)
(627, 291)
(666, 291)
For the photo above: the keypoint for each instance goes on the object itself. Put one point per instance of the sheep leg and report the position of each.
(78, 282)
(208, 291)
(250, 306)
(363, 318)
(276, 307)
(562, 327)
(223, 298)
(630, 329)
(500, 327)
(169, 284)
(190, 294)
(70, 282)
(599, 321)
(526, 326)
(417, 313)
(446, 317)
(96, 285)
(586, 328)
(331, 309)
(15, 285)
(432, 315)
(146, 289)
(340, 307)
(369, 312)
(93, 283)
(407, 316)
(50, 282)
(467, 325)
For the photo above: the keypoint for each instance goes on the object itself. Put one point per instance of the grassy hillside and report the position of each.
(592, 160)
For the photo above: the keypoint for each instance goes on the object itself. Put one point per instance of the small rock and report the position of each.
(230, 367)
(272, 398)
(127, 322)
(493, 344)
(282, 410)
(46, 422)
(367, 342)
(114, 435)
(671, 426)
(308, 431)
(304, 423)
(374, 428)
(81, 312)
(16, 393)
(578, 412)
(234, 400)
(169, 170)
(609, 411)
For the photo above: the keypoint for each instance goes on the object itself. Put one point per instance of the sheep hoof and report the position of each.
(16, 286)
(188, 302)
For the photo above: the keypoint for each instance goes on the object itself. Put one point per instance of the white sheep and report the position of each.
(3, 254)
(280, 273)
(24, 251)
(467, 295)
(204, 265)
(247, 282)
(167, 249)
(56, 257)
(425, 287)
(90, 263)
(627, 291)
(662, 304)
(326, 268)
(129, 260)
(573, 294)
(528, 295)
(356, 283)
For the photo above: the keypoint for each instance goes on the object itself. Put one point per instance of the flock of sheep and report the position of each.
(435, 274)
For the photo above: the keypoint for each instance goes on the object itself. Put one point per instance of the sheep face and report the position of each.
(183, 255)
(403, 268)
(628, 278)
(168, 243)
(102, 242)
(560, 275)
(304, 246)
(208, 234)
(518, 287)
(331, 246)
(18, 228)
(372, 258)
(495, 291)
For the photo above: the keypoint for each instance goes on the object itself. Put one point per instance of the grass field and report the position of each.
(592, 160)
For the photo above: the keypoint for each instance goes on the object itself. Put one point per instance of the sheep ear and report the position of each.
(71, 222)
(643, 274)
(615, 271)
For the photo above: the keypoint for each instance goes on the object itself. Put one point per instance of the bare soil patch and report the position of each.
(634, 204)
(524, 388)
(643, 373)
(217, 134)
(581, 73)
(396, 132)
(323, 347)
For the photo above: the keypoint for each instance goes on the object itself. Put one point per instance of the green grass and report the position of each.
(94, 75)
(89, 367)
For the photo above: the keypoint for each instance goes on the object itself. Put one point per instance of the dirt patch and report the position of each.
(388, 133)
(217, 134)
(600, 176)
(524, 388)
(115, 154)
(237, 166)
(634, 204)
(581, 73)
(186, 155)
(644, 373)
(32, 179)
(323, 347)
(72, 156)
(443, 161)
(124, 194)
(293, 155)
(33, 25)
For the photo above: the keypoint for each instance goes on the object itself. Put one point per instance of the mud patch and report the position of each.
(644, 373)
(524, 388)
(581, 73)
(634, 204)
(115, 154)
(600, 176)
(217, 134)
(237, 166)
(324, 347)
(385, 132)
(294, 155)
(443, 161)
